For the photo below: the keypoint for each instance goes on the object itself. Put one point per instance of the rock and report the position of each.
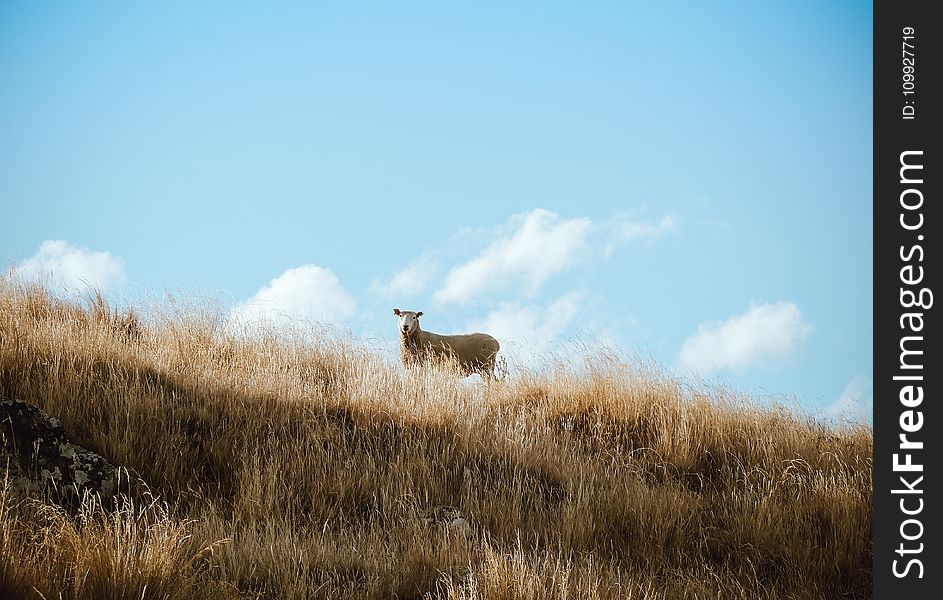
(47, 461)
(460, 525)
(447, 516)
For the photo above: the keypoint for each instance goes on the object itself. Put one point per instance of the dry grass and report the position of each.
(297, 469)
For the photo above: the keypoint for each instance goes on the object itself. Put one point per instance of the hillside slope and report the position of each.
(273, 468)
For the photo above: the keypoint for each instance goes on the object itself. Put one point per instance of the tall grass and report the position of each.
(298, 467)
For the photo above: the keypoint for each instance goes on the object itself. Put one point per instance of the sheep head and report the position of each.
(408, 321)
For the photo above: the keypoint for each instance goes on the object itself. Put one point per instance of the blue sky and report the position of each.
(690, 183)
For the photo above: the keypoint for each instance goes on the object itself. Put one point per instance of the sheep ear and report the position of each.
(419, 314)
(396, 311)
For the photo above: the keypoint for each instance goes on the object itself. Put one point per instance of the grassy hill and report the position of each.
(281, 469)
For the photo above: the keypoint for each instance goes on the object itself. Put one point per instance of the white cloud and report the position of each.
(626, 229)
(64, 267)
(538, 245)
(856, 403)
(765, 332)
(409, 281)
(522, 254)
(528, 333)
(308, 292)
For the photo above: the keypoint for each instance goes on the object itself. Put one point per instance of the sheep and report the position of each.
(474, 352)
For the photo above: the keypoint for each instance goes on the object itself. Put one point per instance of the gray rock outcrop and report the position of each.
(46, 461)
(450, 517)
